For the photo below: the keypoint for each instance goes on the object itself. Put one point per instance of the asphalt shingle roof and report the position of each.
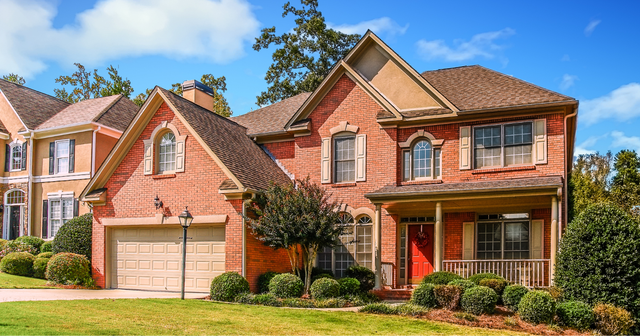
(113, 111)
(271, 118)
(33, 107)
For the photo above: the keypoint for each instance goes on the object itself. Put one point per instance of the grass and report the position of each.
(15, 281)
(190, 317)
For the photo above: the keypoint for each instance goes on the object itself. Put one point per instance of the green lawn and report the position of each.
(173, 316)
(14, 281)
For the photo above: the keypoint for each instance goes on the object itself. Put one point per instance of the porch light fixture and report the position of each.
(185, 221)
(157, 202)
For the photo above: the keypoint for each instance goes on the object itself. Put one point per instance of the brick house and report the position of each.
(459, 169)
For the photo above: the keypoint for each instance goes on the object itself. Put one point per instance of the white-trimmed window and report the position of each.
(16, 157)
(503, 237)
(164, 150)
(355, 246)
(167, 153)
(503, 145)
(62, 157)
(422, 161)
(61, 210)
(345, 159)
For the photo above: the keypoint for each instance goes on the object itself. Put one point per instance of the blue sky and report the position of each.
(584, 49)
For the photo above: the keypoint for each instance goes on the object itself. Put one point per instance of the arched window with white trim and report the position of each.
(167, 153)
(14, 201)
(422, 161)
(164, 151)
(355, 247)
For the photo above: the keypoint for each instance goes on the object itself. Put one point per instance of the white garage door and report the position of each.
(151, 258)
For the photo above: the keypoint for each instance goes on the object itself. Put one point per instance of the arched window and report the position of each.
(422, 161)
(363, 242)
(15, 197)
(13, 208)
(167, 153)
(355, 246)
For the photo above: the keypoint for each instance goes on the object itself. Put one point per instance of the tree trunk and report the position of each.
(311, 256)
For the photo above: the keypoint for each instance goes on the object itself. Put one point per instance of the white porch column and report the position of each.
(378, 246)
(437, 249)
(554, 236)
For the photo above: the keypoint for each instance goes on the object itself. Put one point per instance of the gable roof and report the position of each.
(271, 118)
(113, 111)
(33, 107)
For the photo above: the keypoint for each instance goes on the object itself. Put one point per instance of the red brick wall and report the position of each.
(453, 233)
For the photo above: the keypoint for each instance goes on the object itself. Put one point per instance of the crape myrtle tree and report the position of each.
(299, 217)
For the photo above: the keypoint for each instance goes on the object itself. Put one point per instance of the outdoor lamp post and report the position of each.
(185, 220)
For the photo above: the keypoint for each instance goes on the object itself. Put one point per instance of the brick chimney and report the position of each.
(198, 93)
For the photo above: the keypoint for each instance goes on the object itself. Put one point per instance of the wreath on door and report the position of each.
(422, 239)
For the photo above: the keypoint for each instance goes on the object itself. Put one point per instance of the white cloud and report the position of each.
(591, 27)
(212, 30)
(378, 26)
(567, 81)
(627, 142)
(584, 147)
(621, 104)
(480, 45)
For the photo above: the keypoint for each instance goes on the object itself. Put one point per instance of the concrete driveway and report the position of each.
(8, 295)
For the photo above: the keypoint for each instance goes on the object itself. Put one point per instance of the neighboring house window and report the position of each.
(355, 246)
(167, 153)
(422, 161)
(503, 145)
(503, 240)
(62, 157)
(16, 158)
(345, 159)
(61, 210)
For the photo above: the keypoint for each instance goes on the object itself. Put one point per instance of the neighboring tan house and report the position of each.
(52, 150)
(460, 169)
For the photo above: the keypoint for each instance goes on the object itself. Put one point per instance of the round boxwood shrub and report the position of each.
(476, 278)
(40, 267)
(366, 277)
(537, 307)
(498, 285)
(325, 288)
(512, 295)
(448, 296)
(75, 236)
(46, 247)
(286, 285)
(226, 286)
(441, 278)
(31, 240)
(598, 259)
(68, 269)
(322, 275)
(18, 263)
(424, 295)
(462, 283)
(45, 255)
(17, 246)
(575, 314)
(479, 300)
(263, 281)
(349, 286)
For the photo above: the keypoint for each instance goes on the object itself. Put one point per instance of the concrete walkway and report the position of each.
(8, 295)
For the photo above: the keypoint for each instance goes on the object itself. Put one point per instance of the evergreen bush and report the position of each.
(424, 295)
(75, 236)
(45, 255)
(512, 295)
(286, 285)
(612, 320)
(476, 278)
(537, 307)
(465, 284)
(46, 247)
(448, 296)
(18, 263)
(69, 269)
(325, 288)
(17, 246)
(366, 277)
(40, 267)
(226, 286)
(479, 300)
(263, 281)
(349, 286)
(33, 241)
(575, 314)
(441, 278)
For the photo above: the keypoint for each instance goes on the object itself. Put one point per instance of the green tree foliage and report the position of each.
(142, 97)
(87, 85)
(305, 55)
(14, 78)
(589, 182)
(298, 217)
(625, 185)
(219, 85)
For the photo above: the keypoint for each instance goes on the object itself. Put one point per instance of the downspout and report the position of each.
(245, 203)
(564, 215)
(30, 184)
(93, 151)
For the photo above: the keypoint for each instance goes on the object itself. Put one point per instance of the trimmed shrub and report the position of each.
(69, 269)
(598, 259)
(263, 281)
(555, 292)
(366, 277)
(245, 297)
(479, 300)
(267, 299)
(286, 285)
(31, 240)
(378, 308)
(18, 263)
(75, 236)
(40, 267)
(612, 320)
(361, 299)
(45, 255)
(465, 284)
(325, 288)
(226, 286)
(448, 296)
(46, 247)
(316, 273)
(349, 286)
(512, 295)
(497, 285)
(575, 314)
(17, 246)
(3, 242)
(537, 307)
(424, 296)
(323, 275)
(476, 278)
(441, 278)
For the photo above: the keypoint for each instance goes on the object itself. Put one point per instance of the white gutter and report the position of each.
(566, 173)
(30, 184)
(93, 151)
(245, 203)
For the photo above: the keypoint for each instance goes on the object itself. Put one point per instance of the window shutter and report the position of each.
(540, 141)
(361, 157)
(52, 157)
(72, 155)
(76, 206)
(468, 235)
(24, 157)
(537, 238)
(326, 160)
(148, 157)
(465, 147)
(180, 154)
(7, 159)
(45, 219)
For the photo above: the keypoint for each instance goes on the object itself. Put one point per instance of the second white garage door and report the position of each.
(151, 258)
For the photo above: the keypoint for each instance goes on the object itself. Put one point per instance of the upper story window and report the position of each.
(345, 159)
(167, 153)
(422, 161)
(16, 156)
(164, 150)
(503, 145)
(343, 155)
(62, 156)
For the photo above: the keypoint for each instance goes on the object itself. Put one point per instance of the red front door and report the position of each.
(421, 252)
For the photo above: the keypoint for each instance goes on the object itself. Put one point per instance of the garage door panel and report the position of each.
(151, 258)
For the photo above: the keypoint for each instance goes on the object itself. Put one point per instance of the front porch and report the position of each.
(510, 229)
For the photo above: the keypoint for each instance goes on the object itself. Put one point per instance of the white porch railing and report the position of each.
(526, 272)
